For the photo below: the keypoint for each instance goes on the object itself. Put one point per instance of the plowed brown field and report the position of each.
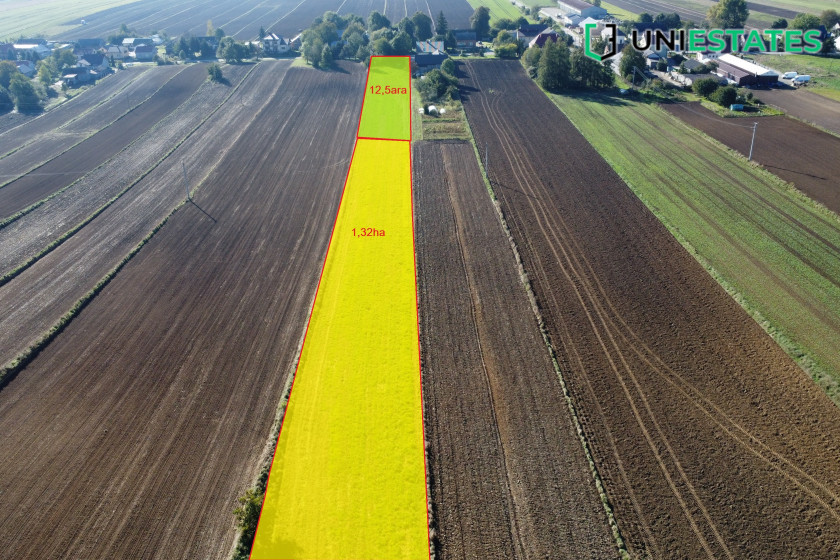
(791, 149)
(710, 440)
(84, 156)
(509, 475)
(132, 434)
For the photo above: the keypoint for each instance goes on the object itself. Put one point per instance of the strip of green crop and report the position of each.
(772, 248)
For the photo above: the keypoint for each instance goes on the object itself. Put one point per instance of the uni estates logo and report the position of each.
(713, 40)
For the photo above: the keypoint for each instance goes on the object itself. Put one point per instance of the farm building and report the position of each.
(581, 8)
(132, 42)
(429, 47)
(275, 44)
(40, 49)
(743, 72)
(76, 76)
(423, 62)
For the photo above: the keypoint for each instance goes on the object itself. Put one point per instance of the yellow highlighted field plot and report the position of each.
(348, 479)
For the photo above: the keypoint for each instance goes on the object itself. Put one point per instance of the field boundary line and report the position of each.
(526, 283)
(6, 278)
(91, 135)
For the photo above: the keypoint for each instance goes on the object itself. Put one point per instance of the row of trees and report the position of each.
(556, 67)
(377, 36)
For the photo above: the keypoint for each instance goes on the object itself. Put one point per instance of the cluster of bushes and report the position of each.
(439, 85)
(722, 95)
(332, 36)
(555, 67)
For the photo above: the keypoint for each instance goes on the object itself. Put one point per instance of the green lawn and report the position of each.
(21, 17)
(764, 242)
(824, 71)
(499, 9)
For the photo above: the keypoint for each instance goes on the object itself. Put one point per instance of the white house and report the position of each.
(275, 44)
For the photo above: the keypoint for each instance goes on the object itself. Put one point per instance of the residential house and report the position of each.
(544, 36)
(88, 46)
(581, 8)
(273, 44)
(116, 53)
(76, 76)
(620, 37)
(653, 56)
(465, 38)
(144, 53)
(97, 62)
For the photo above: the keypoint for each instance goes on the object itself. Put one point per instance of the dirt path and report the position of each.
(133, 433)
(509, 475)
(710, 440)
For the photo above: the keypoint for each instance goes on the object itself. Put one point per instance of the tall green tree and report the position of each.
(326, 57)
(554, 66)
(441, 25)
(588, 72)
(422, 26)
(631, 58)
(7, 70)
(377, 21)
(805, 22)
(407, 25)
(402, 43)
(728, 14)
(480, 22)
(23, 93)
(312, 50)
(830, 18)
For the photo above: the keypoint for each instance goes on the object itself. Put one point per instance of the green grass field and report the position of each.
(21, 17)
(769, 246)
(824, 71)
(500, 9)
(386, 110)
(620, 13)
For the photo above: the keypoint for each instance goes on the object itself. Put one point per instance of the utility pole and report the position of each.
(752, 143)
(186, 183)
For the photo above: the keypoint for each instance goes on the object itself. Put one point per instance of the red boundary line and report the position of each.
(318, 289)
(384, 139)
